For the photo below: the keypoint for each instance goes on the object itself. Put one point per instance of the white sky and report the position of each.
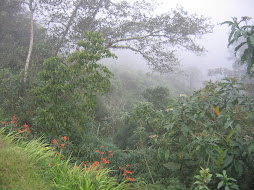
(216, 43)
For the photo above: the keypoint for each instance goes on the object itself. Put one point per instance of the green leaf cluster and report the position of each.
(241, 30)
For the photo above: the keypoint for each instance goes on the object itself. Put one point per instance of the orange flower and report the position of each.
(110, 154)
(62, 145)
(120, 168)
(76, 166)
(109, 151)
(132, 179)
(102, 152)
(50, 164)
(97, 151)
(25, 126)
(124, 174)
(102, 146)
(14, 117)
(55, 141)
(127, 178)
(28, 131)
(127, 171)
(20, 131)
(12, 121)
(64, 138)
(105, 161)
(127, 165)
(3, 122)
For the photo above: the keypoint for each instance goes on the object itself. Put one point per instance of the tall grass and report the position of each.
(34, 165)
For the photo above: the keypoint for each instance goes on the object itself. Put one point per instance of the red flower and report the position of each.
(25, 126)
(62, 145)
(102, 152)
(127, 178)
(76, 166)
(110, 154)
(124, 174)
(127, 171)
(28, 131)
(55, 141)
(50, 164)
(109, 151)
(14, 117)
(132, 179)
(120, 168)
(105, 161)
(127, 165)
(12, 121)
(64, 138)
(75, 158)
(97, 151)
(3, 122)
(20, 131)
(95, 164)
(102, 146)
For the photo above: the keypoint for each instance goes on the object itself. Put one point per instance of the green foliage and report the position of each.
(246, 32)
(67, 95)
(226, 181)
(33, 164)
(11, 89)
(211, 129)
(19, 169)
(140, 125)
(159, 96)
(203, 179)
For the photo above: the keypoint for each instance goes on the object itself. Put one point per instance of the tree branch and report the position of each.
(68, 26)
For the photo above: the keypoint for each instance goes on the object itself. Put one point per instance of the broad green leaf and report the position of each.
(228, 123)
(221, 157)
(167, 155)
(227, 161)
(185, 130)
(252, 40)
(250, 148)
(238, 128)
(220, 185)
(159, 154)
(172, 166)
(239, 167)
(239, 46)
(237, 35)
(227, 22)
(231, 134)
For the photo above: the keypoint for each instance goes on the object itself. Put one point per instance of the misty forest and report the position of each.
(72, 116)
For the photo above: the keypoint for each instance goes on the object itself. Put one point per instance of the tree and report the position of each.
(31, 43)
(158, 96)
(67, 95)
(125, 25)
(241, 30)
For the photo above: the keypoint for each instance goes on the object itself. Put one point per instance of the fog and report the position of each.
(217, 54)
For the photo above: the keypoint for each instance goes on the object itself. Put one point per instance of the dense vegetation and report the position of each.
(78, 122)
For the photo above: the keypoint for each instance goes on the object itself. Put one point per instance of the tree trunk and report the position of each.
(30, 44)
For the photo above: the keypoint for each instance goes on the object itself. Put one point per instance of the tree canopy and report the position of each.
(133, 25)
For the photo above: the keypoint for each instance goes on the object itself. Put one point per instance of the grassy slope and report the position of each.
(31, 166)
(17, 170)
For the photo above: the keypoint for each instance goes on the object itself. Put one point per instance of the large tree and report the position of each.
(133, 25)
